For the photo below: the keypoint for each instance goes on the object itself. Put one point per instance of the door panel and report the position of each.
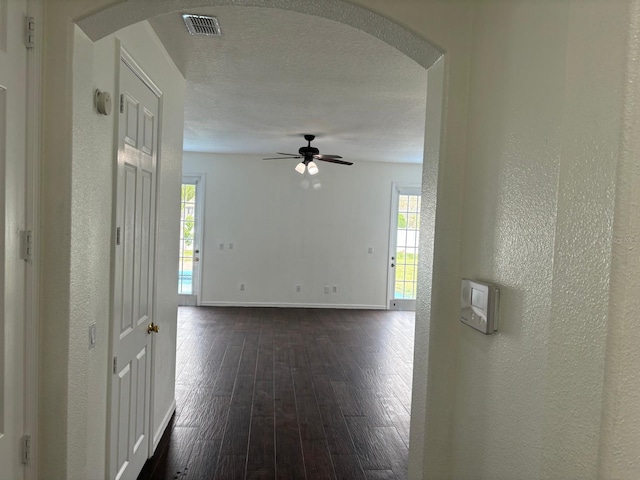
(141, 373)
(13, 107)
(128, 247)
(145, 260)
(124, 397)
(134, 271)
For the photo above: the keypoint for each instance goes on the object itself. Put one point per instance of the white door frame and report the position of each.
(396, 191)
(125, 57)
(32, 218)
(200, 180)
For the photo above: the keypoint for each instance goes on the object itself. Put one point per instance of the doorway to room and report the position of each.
(426, 56)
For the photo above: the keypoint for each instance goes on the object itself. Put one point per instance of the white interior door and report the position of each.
(13, 68)
(134, 272)
(403, 247)
(190, 255)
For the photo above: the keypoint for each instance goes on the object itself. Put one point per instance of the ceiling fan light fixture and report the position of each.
(300, 168)
(313, 168)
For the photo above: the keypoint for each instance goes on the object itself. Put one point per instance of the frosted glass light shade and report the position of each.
(313, 168)
(301, 167)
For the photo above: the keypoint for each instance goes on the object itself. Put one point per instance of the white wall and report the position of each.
(83, 380)
(544, 127)
(284, 235)
(620, 440)
(509, 225)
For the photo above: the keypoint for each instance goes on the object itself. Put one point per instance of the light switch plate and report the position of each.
(92, 336)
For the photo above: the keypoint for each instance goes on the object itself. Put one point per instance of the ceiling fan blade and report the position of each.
(278, 158)
(333, 160)
(324, 157)
(289, 154)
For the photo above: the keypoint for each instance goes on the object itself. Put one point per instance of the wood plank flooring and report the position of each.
(266, 393)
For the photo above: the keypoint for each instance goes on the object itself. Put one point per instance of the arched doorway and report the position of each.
(112, 18)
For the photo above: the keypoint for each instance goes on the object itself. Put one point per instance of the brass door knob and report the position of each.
(153, 328)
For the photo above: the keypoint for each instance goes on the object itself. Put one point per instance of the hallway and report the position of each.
(289, 393)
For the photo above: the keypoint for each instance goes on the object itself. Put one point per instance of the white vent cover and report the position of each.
(202, 25)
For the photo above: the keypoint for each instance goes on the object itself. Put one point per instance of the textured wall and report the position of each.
(544, 131)
(509, 214)
(620, 433)
(591, 134)
(285, 235)
(90, 264)
(74, 379)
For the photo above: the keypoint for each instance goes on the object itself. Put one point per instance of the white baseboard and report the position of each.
(163, 425)
(292, 305)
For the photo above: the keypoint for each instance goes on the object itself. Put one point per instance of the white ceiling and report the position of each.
(274, 75)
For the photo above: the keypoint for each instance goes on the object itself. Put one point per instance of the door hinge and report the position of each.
(122, 103)
(115, 364)
(30, 32)
(26, 245)
(118, 236)
(26, 449)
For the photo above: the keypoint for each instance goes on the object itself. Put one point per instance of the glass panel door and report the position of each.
(404, 248)
(189, 254)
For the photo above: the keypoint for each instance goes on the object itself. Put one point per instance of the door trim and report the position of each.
(32, 217)
(396, 191)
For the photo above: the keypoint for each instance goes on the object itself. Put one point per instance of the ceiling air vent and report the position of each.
(202, 25)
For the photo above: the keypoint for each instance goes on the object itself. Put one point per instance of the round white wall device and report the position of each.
(102, 101)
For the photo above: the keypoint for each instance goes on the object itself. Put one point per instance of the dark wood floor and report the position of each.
(289, 394)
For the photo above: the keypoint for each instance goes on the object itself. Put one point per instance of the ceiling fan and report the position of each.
(309, 154)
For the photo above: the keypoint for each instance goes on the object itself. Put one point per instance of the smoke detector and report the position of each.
(202, 24)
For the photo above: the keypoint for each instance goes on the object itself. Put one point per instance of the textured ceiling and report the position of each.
(274, 75)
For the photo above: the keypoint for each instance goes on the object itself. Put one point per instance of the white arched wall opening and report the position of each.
(433, 403)
(108, 21)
